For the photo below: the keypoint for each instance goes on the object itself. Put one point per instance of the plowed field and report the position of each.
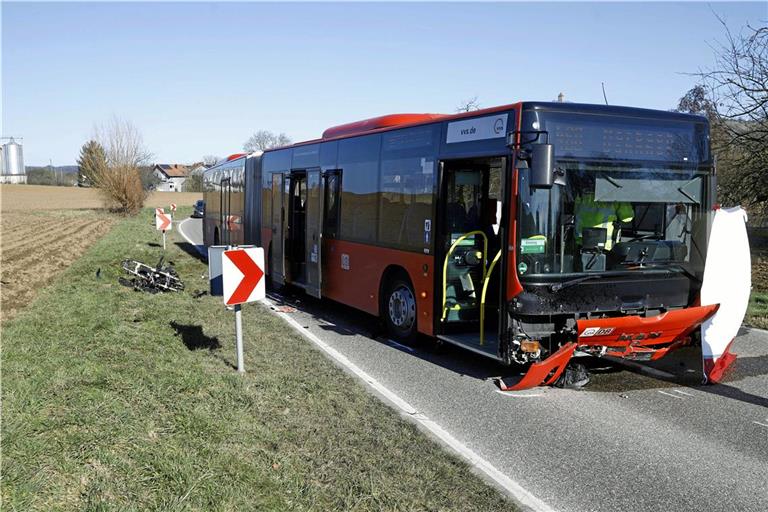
(44, 229)
(41, 197)
(40, 244)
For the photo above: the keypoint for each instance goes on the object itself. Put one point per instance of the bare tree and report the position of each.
(210, 160)
(469, 105)
(264, 139)
(120, 181)
(738, 84)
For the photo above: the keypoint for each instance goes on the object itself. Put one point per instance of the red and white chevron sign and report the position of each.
(173, 207)
(233, 222)
(243, 274)
(163, 221)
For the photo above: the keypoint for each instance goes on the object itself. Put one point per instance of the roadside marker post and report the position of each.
(215, 255)
(163, 222)
(243, 282)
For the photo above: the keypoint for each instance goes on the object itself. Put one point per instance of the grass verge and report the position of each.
(115, 399)
(757, 314)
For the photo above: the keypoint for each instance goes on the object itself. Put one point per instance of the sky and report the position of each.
(199, 78)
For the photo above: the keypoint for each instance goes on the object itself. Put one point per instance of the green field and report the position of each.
(121, 400)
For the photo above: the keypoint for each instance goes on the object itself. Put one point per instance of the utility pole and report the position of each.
(55, 175)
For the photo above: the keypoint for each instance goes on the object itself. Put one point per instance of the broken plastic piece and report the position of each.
(544, 372)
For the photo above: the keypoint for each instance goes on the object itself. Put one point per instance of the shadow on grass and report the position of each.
(154, 244)
(193, 337)
(191, 250)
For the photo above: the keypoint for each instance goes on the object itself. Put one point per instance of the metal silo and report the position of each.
(14, 158)
(13, 162)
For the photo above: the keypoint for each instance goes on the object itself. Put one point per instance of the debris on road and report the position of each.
(151, 279)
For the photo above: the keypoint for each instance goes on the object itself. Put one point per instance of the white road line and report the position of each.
(181, 230)
(513, 395)
(761, 424)
(525, 498)
(682, 392)
(670, 394)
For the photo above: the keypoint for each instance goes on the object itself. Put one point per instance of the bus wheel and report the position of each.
(400, 309)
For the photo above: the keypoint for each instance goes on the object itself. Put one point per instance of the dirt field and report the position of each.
(39, 197)
(65, 234)
(66, 220)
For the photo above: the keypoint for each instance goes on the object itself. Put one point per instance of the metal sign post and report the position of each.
(239, 338)
(242, 276)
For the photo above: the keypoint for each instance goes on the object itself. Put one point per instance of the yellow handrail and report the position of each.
(448, 255)
(486, 280)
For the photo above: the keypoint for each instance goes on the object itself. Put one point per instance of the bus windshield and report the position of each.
(613, 219)
(632, 195)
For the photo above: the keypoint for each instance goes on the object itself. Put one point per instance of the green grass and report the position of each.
(757, 313)
(106, 408)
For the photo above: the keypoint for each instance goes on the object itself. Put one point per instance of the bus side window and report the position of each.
(331, 202)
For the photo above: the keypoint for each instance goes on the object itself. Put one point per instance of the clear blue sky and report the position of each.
(199, 78)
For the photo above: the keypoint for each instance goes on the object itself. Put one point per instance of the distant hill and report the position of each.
(66, 169)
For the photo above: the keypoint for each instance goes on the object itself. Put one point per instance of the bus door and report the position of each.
(277, 247)
(296, 230)
(469, 252)
(225, 211)
(314, 232)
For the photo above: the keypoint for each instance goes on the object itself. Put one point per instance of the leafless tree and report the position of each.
(210, 160)
(120, 181)
(468, 105)
(738, 84)
(264, 139)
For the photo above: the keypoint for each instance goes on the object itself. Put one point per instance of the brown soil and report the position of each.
(63, 220)
(40, 197)
(64, 235)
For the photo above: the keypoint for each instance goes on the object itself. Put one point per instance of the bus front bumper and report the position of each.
(628, 337)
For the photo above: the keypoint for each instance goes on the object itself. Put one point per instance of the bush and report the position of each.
(120, 182)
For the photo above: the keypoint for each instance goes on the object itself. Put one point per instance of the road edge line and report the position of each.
(515, 490)
(184, 235)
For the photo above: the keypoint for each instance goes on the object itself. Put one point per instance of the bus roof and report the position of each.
(397, 121)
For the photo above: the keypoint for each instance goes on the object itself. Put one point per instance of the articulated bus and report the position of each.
(527, 233)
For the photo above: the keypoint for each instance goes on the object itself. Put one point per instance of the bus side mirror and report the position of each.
(542, 166)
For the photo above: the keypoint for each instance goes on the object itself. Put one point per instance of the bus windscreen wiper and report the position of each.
(675, 267)
(567, 284)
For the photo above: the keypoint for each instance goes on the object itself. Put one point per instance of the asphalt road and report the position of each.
(628, 441)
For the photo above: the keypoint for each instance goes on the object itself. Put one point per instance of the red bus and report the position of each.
(526, 233)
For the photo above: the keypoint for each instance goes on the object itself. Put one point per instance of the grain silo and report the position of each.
(12, 170)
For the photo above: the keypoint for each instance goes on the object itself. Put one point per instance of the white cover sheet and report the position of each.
(727, 281)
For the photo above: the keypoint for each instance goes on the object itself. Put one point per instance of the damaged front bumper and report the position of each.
(629, 337)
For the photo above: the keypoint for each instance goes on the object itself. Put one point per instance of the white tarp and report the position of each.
(727, 281)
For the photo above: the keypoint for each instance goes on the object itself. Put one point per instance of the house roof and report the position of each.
(173, 170)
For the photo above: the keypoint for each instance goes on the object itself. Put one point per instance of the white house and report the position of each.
(171, 176)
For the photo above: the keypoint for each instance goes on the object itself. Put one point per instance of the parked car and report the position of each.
(199, 211)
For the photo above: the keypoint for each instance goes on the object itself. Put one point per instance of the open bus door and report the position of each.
(469, 252)
(314, 232)
(277, 261)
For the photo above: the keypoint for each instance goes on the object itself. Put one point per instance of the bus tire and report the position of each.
(399, 309)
